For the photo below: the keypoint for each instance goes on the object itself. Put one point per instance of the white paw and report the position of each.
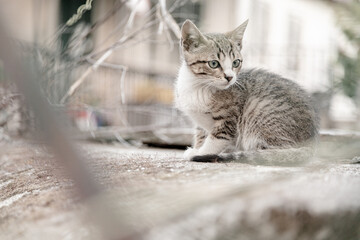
(190, 152)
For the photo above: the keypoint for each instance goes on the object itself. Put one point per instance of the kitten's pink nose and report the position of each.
(228, 78)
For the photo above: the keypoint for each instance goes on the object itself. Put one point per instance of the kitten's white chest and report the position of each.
(190, 95)
(188, 100)
(192, 99)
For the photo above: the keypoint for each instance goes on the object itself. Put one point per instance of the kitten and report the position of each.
(251, 116)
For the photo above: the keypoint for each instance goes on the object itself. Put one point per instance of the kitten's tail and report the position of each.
(270, 157)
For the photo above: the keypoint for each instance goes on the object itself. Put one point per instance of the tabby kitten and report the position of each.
(251, 116)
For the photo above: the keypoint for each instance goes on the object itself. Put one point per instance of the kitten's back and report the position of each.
(277, 113)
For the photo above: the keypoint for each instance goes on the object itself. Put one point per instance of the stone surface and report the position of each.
(158, 195)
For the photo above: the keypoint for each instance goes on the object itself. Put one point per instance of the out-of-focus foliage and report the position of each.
(350, 79)
(349, 19)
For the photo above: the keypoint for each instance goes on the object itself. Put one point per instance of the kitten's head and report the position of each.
(214, 58)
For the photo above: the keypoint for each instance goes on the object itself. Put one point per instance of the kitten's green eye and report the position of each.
(214, 64)
(236, 63)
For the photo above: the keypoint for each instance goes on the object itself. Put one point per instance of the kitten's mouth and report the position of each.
(228, 84)
(225, 86)
(222, 84)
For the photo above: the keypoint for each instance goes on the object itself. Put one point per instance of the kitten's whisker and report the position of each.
(239, 85)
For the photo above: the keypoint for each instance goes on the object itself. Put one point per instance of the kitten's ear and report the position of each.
(191, 37)
(238, 34)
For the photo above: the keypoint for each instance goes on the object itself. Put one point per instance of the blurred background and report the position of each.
(113, 65)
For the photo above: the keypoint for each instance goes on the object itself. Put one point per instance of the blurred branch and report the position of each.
(130, 21)
(167, 23)
(167, 20)
(95, 65)
(117, 6)
(163, 18)
(58, 65)
(108, 65)
(57, 138)
(79, 13)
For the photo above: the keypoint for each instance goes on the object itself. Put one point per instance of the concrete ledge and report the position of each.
(162, 196)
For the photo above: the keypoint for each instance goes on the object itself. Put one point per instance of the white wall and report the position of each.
(30, 20)
(298, 31)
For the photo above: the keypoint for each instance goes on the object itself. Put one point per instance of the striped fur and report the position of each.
(256, 112)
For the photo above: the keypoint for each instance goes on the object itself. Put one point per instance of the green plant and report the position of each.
(349, 20)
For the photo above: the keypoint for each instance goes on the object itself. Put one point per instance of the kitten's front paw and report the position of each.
(190, 152)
